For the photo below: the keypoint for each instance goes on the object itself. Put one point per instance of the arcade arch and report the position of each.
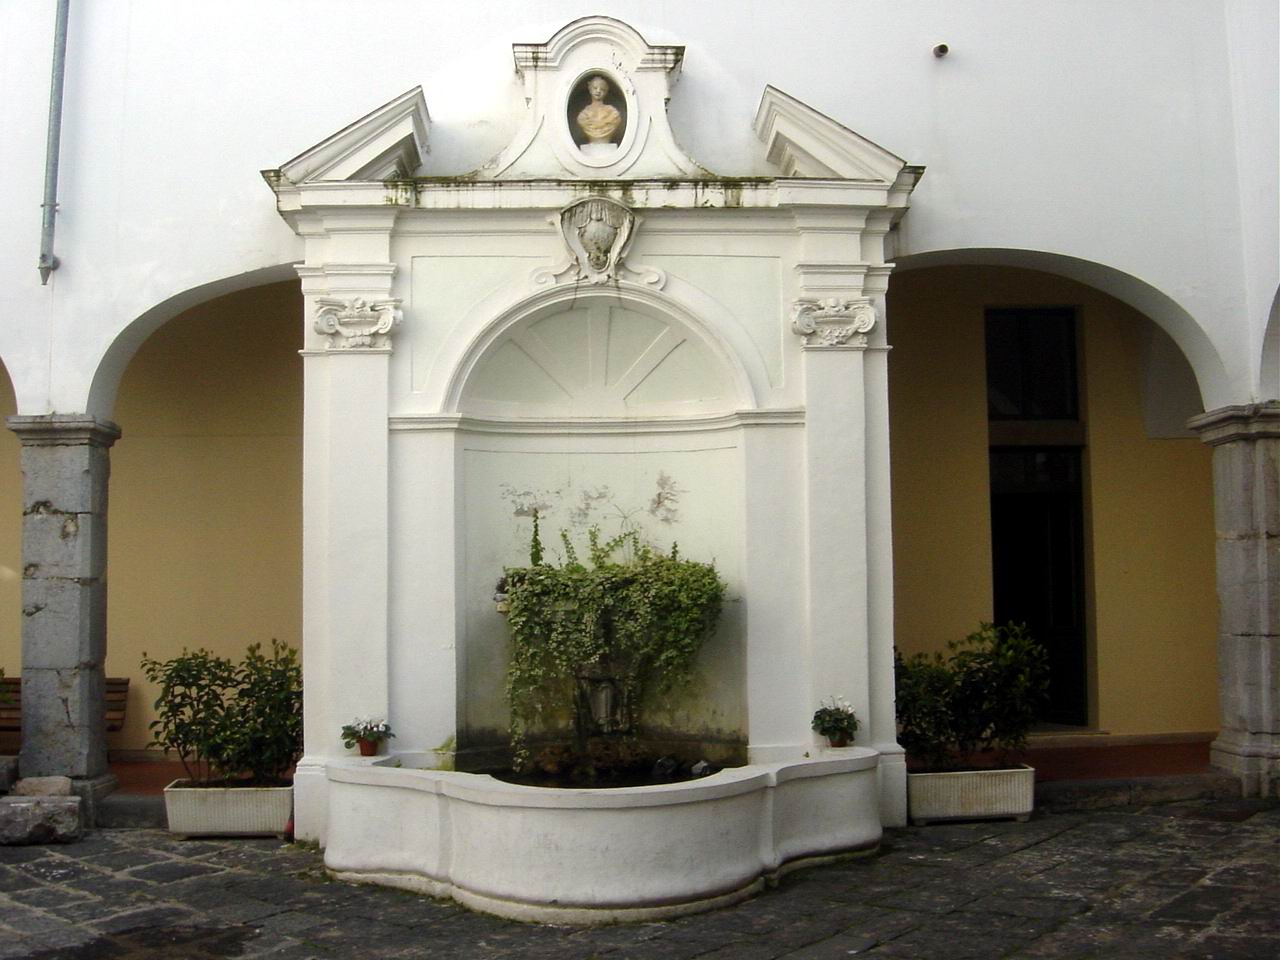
(1143, 576)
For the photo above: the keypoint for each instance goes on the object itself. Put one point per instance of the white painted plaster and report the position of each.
(595, 856)
(1162, 115)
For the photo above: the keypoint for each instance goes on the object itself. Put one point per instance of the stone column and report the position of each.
(65, 465)
(1246, 493)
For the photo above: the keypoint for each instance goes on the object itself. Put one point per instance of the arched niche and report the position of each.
(600, 357)
(607, 412)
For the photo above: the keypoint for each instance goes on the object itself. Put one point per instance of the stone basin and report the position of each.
(596, 855)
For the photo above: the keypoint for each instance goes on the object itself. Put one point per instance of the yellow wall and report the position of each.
(1148, 502)
(206, 489)
(205, 496)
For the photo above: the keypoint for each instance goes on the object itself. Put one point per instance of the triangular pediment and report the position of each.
(805, 143)
(388, 143)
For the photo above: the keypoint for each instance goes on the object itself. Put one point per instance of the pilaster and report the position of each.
(65, 468)
(1246, 489)
(346, 522)
(834, 332)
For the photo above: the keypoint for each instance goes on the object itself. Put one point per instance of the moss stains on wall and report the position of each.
(1148, 502)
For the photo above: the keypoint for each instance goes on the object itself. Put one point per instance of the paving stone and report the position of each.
(1017, 906)
(165, 915)
(1126, 885)
(43, 896)
(1222, 947)
(293, 921)
(117, 858)
(11, 879)
(171, 870)
(1202, 904)
(91, 910)
(60, 870)
(19, 854)
(1247, 874)
(16, 947)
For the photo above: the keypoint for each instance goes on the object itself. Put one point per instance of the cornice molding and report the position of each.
(63, 429)
(550, 56)
(1248, 421)
(601, 426)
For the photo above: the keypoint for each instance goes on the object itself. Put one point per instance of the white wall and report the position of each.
(1140, 135)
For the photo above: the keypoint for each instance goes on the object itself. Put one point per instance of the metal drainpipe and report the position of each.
(48, 262)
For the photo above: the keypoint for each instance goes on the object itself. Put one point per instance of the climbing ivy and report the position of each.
(640, 613)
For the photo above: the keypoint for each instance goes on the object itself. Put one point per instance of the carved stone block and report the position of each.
(28, 820)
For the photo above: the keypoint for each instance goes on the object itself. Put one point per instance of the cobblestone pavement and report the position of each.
(1190, 880)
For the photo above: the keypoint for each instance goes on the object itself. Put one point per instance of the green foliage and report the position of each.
(835, 719)
(365, 728)
(229, 721)
(984, 695)
(643, 617)
(268, 710)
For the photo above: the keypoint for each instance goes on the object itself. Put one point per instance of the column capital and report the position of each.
(63, 429)
(833, 322)
(1246, 421)
(357, 323)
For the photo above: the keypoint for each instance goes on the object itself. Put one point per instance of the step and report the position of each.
(131, 810)
(1062, 795)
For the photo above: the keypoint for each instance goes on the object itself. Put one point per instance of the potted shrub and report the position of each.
(366, 733)
(835, 721)
(237, 728)
(960, 718)
(588, 641)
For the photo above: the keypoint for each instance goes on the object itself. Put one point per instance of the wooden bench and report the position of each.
(11, 702)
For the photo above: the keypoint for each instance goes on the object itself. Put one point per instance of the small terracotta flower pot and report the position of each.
(838, 739)
(368, 748)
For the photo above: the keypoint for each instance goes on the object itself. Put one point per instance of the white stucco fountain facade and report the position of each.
(595, 327)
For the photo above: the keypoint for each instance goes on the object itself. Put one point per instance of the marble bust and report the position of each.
(599, 121)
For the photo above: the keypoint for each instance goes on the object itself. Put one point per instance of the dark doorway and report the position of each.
(1037, 560)
(1037, 503)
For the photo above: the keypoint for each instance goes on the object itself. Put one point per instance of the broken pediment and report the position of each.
(802, 142)
(596, 107)
(387, 144)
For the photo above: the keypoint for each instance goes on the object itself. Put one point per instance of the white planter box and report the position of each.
(227, 811)
(971, 794)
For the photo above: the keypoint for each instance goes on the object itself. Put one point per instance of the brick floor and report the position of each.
(1184, 880)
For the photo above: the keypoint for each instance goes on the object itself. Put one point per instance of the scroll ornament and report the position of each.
(357, 323)
(833, 322)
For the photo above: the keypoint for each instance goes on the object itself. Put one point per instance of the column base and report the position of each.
(1256, 765)
(893, 784)
(92, 790)
(311, 800)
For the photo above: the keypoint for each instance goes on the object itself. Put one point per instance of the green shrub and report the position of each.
(226, 721)
(983, 696)
(643, 619)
